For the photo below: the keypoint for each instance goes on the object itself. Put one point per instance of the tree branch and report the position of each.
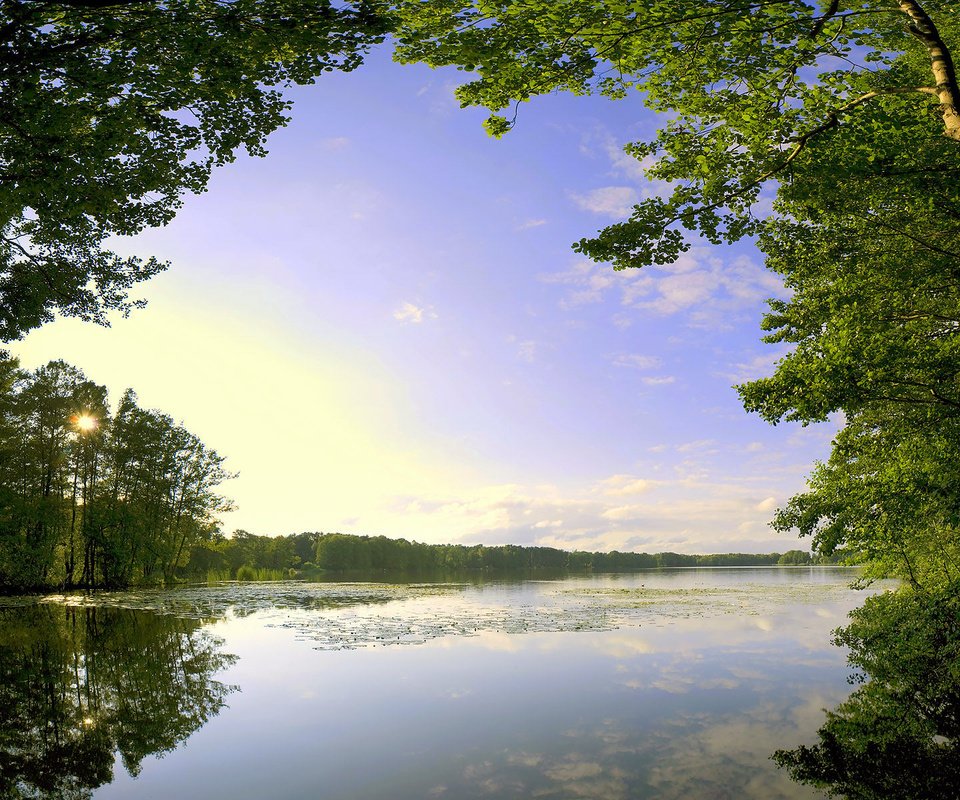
(799, 144)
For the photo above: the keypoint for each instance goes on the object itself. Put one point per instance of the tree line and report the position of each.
(248, 556)
(92, 498)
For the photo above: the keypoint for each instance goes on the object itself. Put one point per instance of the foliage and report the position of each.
(820, 99)
(93, 499)
(111, 110)
(847, 115)
(888, 493)
(897, 734)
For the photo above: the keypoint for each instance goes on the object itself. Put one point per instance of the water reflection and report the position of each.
(662, 685)
(81, 685)
(897, 734)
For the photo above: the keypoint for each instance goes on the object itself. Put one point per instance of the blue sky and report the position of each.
(383, 327)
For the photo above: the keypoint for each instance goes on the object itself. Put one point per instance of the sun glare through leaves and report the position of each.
(85, 423)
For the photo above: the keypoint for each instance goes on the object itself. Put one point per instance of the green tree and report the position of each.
(796, 558)
(91, 499)
(111, 110)
(887, 496)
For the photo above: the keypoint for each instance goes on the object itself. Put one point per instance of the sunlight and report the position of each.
(85, 422)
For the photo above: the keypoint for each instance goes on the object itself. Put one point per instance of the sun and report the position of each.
(85, 422)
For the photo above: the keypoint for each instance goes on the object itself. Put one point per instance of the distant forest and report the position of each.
(247, 556)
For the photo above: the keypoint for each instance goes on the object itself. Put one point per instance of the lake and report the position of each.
(663, 684)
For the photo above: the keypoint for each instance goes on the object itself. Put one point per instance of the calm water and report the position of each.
(673, 684)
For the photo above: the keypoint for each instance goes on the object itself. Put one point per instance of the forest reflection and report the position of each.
(897, 734)
(80, 685)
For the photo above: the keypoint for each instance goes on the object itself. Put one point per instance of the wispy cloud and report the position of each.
(658, 380)
(611, 201)
(697, 445)
(334, 143)
(439, 97)
(621, 485)
(705, 288)
(623, 512)
(527, 350)
(588, 282)
(752, 368)
(412, 314)
(636, 169)
(530, 223)
(635, 361)
(600, 142)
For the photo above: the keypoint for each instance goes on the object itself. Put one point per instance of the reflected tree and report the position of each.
(897, 734)
(81, 685)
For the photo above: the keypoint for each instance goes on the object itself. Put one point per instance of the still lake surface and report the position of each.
(662, 684)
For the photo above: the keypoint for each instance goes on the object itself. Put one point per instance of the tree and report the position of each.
(91, 499)
(848, 113)
(111, 110)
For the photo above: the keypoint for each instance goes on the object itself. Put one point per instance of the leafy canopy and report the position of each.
(756, 90)
(111, 110)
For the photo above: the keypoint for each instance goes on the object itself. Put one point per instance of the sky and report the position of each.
(383, 327)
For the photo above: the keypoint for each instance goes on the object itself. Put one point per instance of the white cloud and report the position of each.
(589, 281)
(624, 165)
(620, 485)
(635, 361)
(703, 285)
(658, 380)
(621, 512)
(439, 97)
(696, 445)
(769, 504)
(409, 313)
(752, 368)
(531, 223)
(334, 143)
(636, 169)
(708, 290)
(611, 201)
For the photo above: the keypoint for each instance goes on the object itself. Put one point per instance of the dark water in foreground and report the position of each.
(673, 684)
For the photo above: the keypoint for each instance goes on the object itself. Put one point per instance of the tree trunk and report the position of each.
(941, 64)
